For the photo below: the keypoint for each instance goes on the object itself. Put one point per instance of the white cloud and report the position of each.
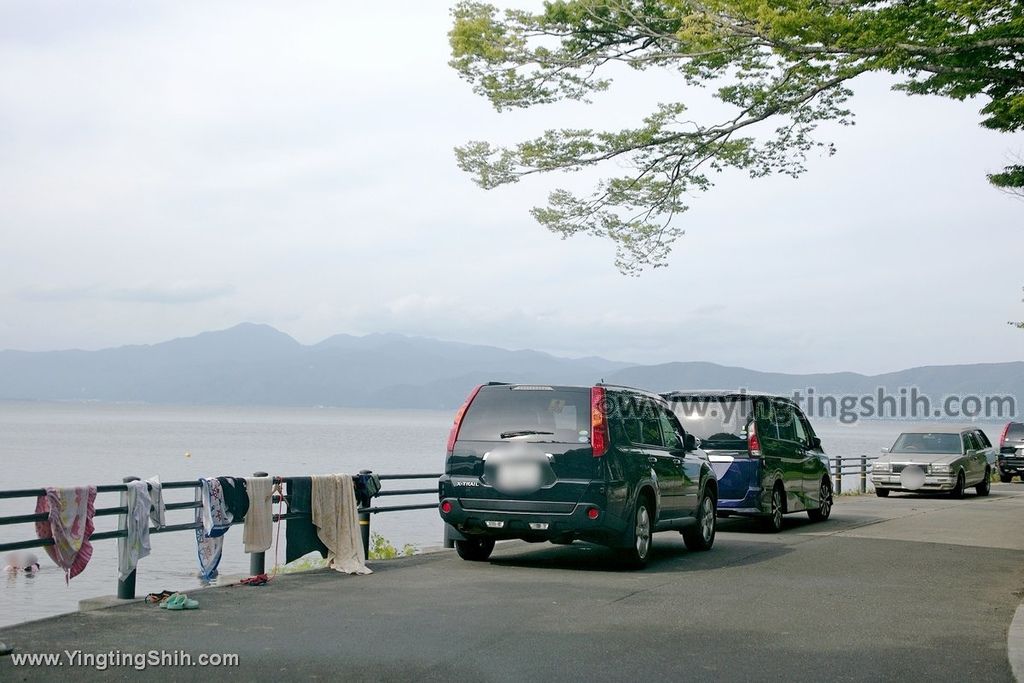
(167, 168)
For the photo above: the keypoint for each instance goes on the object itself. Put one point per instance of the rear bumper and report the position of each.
(750, 504)
(534, 525)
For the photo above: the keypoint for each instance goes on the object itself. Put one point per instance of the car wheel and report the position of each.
(882, 493)
(958, 490)
(702, 535)
(984, 487)
(1006, 478)
(638, 549)
(773, 521)
(824, 503)
(475, 549)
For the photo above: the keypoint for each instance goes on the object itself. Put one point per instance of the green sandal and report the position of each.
(179, 601)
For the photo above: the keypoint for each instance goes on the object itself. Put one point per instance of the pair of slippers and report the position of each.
(157, 598)
(179, 601)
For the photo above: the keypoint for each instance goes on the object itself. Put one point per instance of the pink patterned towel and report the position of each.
(69, 524)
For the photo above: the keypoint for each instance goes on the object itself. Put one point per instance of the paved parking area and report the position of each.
(897, 588)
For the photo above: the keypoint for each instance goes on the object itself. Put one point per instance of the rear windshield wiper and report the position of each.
(521, 432)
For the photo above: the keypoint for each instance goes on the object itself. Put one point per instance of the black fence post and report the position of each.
(839, 474)
(126, 587)
(364, 522)
(863, 474)
(258, 561)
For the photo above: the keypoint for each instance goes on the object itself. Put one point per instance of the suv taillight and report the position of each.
(1002, 439)
(753, 443)
(454, 433)
(598, 422)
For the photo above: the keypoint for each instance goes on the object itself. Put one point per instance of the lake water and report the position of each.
(62, 444)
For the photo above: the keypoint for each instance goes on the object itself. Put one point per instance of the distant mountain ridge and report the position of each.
(255, 364)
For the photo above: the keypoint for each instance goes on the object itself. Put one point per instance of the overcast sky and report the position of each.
(169, 168)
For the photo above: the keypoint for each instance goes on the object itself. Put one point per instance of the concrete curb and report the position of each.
(1015, 644)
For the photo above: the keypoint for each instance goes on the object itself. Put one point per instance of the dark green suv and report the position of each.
(604, 464)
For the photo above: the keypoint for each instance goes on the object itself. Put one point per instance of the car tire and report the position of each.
(637, 550)
(772, 522)
(475, 549)
(958, 488)
(882, 493)
(984, 487)
(1006, 478)
(824, 509)
(701, 536)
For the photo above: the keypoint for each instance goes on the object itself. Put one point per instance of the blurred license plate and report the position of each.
(519, 475)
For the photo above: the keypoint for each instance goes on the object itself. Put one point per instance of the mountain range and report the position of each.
(254, 364)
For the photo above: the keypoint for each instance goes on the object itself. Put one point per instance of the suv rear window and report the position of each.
(718, 421)
(1016, 431)
(563, 414)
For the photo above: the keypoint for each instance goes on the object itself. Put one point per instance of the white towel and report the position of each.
(258, 533)
(337, 522)
(135, 545)
(156, 494)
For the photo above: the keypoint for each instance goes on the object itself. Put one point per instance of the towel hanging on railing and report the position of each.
(258, 532)
(135, 544)
(213, 520)
(337, 522)
(69, 523)
(300, 534)
(156, 495)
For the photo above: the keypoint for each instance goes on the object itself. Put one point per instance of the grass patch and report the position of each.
(382, 549)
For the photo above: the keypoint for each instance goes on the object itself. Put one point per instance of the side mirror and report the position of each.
(971, 453)
(884, 450)
(690, 442)
(815, 443)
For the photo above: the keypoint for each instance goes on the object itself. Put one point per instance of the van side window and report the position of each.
(800, 434)
(785, 422)
(808, 430)
(764, 414)
(983, 439)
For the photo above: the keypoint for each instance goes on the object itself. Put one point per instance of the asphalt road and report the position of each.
(902, 588)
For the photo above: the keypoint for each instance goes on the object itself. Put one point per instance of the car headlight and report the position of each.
(940, 468)
(881, 467)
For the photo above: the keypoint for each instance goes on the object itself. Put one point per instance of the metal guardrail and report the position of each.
(859, 466)
(257, 561)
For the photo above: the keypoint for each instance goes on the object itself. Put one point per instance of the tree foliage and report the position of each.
(782, 67)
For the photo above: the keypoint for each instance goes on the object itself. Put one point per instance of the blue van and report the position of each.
(763, 450)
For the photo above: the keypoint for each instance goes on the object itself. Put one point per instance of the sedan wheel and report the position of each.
(984, 487)
(958, 490)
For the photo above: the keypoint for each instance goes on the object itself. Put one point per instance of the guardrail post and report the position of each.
(258, 561)
(364, 524)
(839, 474)
(863, 474)
(125, 588)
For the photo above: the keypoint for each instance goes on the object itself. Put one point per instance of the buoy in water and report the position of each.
(188, 454)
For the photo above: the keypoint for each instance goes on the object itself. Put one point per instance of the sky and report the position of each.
(168, 168)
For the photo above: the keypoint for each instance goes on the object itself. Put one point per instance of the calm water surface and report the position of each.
(59, 444)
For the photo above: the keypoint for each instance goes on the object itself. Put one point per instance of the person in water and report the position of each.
(22, 562)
